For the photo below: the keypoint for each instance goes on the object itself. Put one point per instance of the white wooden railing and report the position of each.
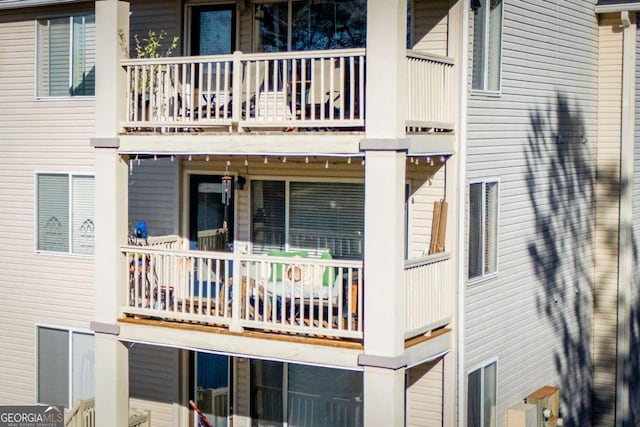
(431, 100)
(429, 293)
(283, 90)
(83, 414)
(298, 295)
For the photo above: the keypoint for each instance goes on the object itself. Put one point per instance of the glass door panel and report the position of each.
(212, 388)
(213, 30)
(210, 213)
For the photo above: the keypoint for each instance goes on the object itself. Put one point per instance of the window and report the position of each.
(66, 56)
(483, 228)
(487, 33)
(65, 208)
(299, 395)
(65, 370)
(312, 25)
(317, 217)
(481, 396)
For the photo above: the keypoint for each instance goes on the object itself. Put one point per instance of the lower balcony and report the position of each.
(280, 292)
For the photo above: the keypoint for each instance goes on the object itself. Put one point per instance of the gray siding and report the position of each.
(156, 15)
(153, 195)
(535, 315)
(154, 382)
(35, 135)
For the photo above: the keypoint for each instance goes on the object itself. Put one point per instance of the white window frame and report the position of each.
(287, 182)
(484, 90)
(484, 275)
(70, 332)
(481, 367)
(70, 176)
(38, 94)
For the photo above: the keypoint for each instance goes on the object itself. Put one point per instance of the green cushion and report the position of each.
(278, 269)
(329, 275)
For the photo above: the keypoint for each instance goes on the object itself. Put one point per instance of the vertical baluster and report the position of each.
(352, 87)
(323, 89)
(361, 111)
(341, 91)
(226, 92)
(303, 88)
(294, 84)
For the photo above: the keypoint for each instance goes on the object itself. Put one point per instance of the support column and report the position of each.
(111, 217)
(385, 156)
(625, 240)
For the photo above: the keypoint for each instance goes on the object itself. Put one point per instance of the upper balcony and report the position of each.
(287, 91)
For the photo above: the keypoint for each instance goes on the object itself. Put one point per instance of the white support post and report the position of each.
(386, 90)
(236, 293)
(111, 216)
(112, 382)
(385, 170)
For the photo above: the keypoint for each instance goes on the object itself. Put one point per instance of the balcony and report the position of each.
(274, 294)
(287, 92)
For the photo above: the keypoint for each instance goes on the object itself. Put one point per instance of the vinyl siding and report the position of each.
(242, 416)
(153, 195)
(245, 30)
(425, 394)
(426, 183)
(430, 26)
(607, 211)
(154, 382)
(157, 15)
(634, 391)
(535, 314)
(35, 136)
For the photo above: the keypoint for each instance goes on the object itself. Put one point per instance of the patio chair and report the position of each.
(322, 96)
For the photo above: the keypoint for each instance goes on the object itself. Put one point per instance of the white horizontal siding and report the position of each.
(35, 135)
(424, 400)
(607, 211)
(430, 26)
(548, 86)
(635, 286)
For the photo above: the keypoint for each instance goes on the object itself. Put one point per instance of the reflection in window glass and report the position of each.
(271, 21)
(481, 396)
(315, 25)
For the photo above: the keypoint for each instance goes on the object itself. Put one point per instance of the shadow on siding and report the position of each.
(560, 178)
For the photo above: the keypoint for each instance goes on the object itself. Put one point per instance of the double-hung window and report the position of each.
(65, 366)
(483, 229)
(487, 40)
(65, 211)
(66, 56)
(481, 396)
(317, 217)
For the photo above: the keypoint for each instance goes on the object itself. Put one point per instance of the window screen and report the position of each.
(66, 56)
(53, 367)
(53, 213)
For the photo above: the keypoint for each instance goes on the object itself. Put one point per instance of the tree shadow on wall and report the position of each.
(560, 178)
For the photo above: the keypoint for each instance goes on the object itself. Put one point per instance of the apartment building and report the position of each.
(319, 212)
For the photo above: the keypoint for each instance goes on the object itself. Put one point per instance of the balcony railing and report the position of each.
(429, 294)
(296, 295)
(288, 90)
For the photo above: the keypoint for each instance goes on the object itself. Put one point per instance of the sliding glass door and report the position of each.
(300, 395)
